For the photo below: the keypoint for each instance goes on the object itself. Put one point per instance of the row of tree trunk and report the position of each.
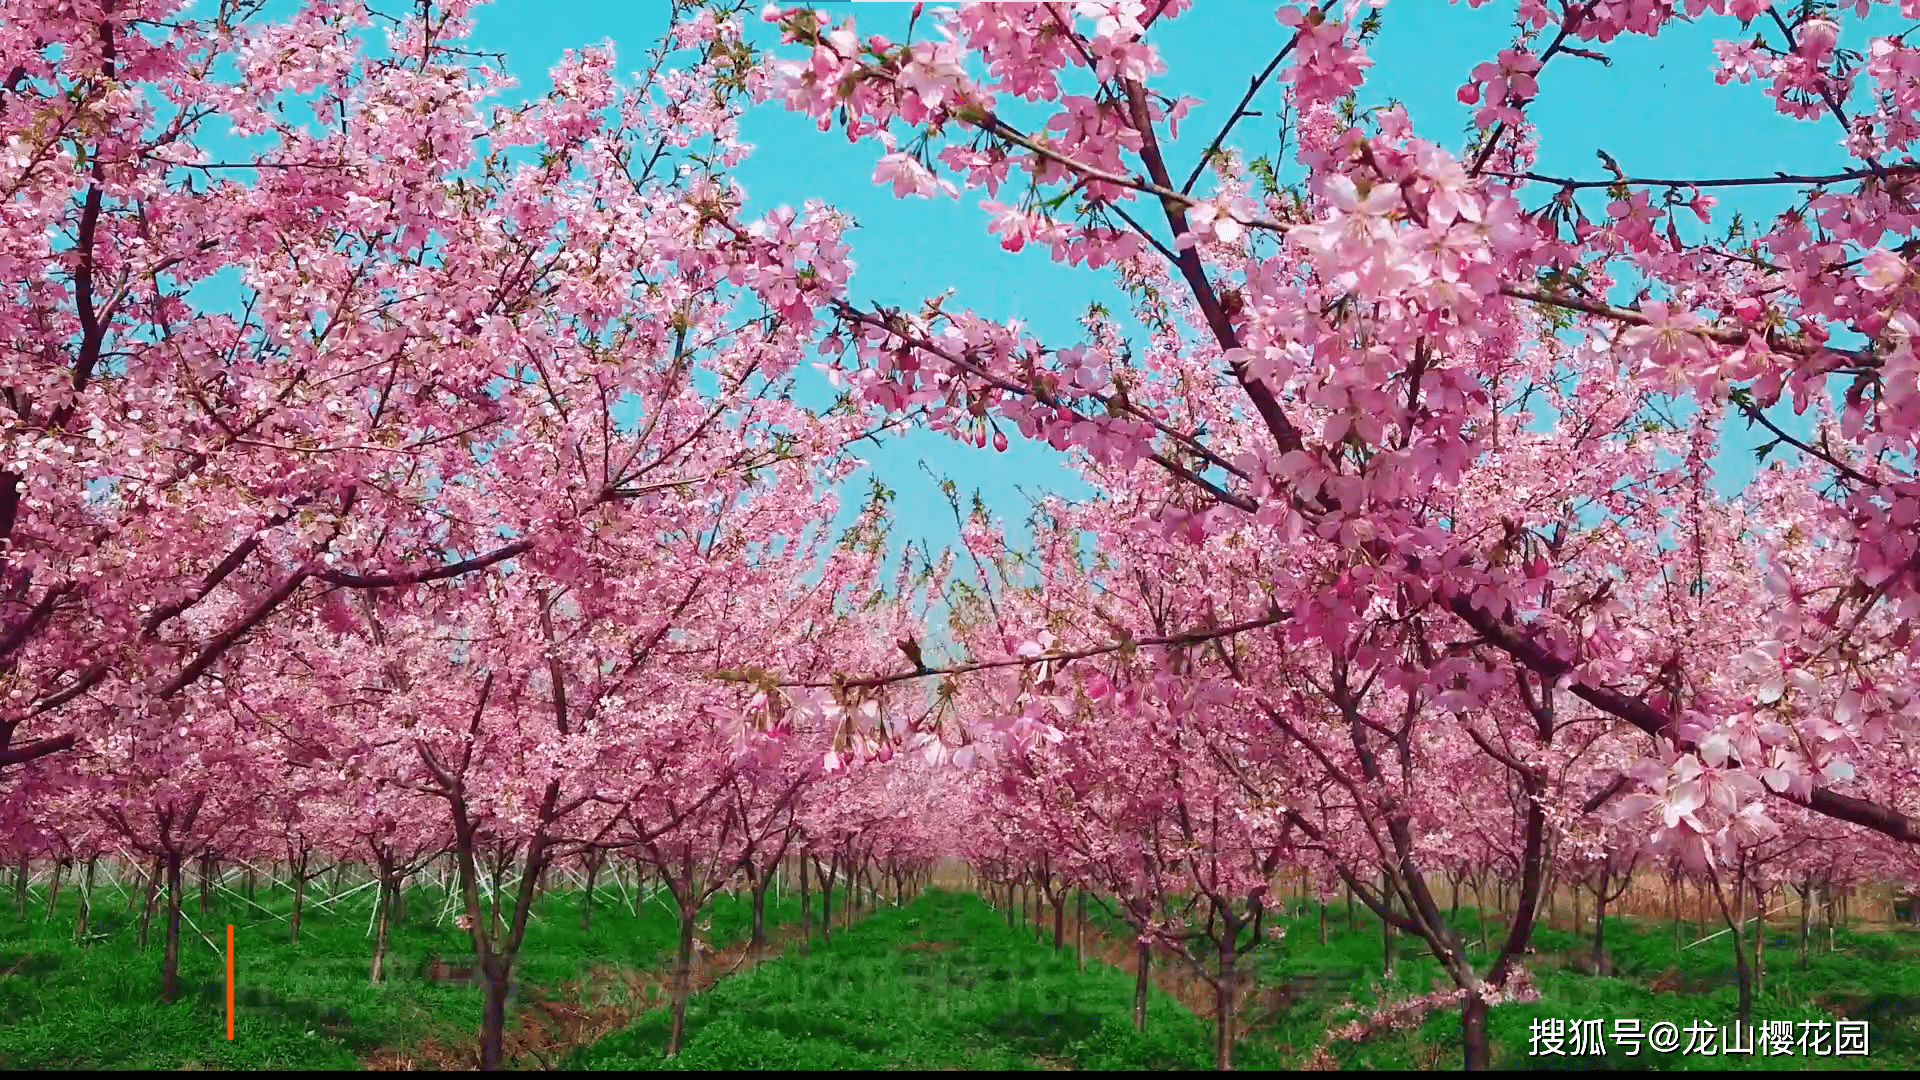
(864, 883)
(1028, 902)
(863, 880)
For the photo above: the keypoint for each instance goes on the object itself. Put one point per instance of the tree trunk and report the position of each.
(86, 901)
(1386, 947)
(1805, 891)
(1742, 972)
(206, 881)
(586, 901)
(1473, 1034)
(493, 1016)
(1601, 966)
(1223, 996)
(299, 903)
(1673, 904)
(493, 900)
(1480, 910)
(53, 887)
(682, 987)
(1142, 955)
(826, 900)
(1080, 929)
(757, 939)
(170, 956)
(146, 910)
(806, 907)
(1743, 975)
(22, 870)
(383, 911)
(1059, 920)
(1323, 922)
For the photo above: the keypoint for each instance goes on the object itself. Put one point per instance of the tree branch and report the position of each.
(415, 577)
(1635, 711)
(1191, 637)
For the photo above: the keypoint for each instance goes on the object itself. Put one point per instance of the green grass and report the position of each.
(1302, 986)
(306, 1006)
(941, 983)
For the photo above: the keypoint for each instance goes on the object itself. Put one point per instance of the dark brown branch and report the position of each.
(1264, 402)
(1635, 711)
(1569, 23)
(39, 748)
(25, 628)
(1240, 111)
(1533, 295)
(1161, 186)
(1826, 92)
(890, 324)
(231, 636)
(415, 577)
(1753, 413)
(1191, 637)
(1601, 797)
(1776, 179)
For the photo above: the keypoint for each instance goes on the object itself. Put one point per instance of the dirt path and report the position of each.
(1171, 972)
(1255, 1007)
(550, 1022)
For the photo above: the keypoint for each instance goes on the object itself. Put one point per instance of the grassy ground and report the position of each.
(1303, 986)
(312, 1005)
(941, 983)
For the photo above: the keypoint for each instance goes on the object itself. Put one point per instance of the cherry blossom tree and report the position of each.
(1355, 328)
(248, 372)
(489, 452)
(1438, 386)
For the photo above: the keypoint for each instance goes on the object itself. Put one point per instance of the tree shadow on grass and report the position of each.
(29, 966)
(1042, 1032)
(647, 1035)
(329, 1020)
(20, 974)
(802, 1027)
(1889, 1016)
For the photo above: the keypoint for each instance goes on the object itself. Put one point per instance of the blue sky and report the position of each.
(1656, 109)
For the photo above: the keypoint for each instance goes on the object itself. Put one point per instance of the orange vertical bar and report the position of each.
(229, 982)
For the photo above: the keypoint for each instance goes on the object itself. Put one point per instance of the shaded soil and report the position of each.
(1171, 972)
(1675, 981)
(551, 1021)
